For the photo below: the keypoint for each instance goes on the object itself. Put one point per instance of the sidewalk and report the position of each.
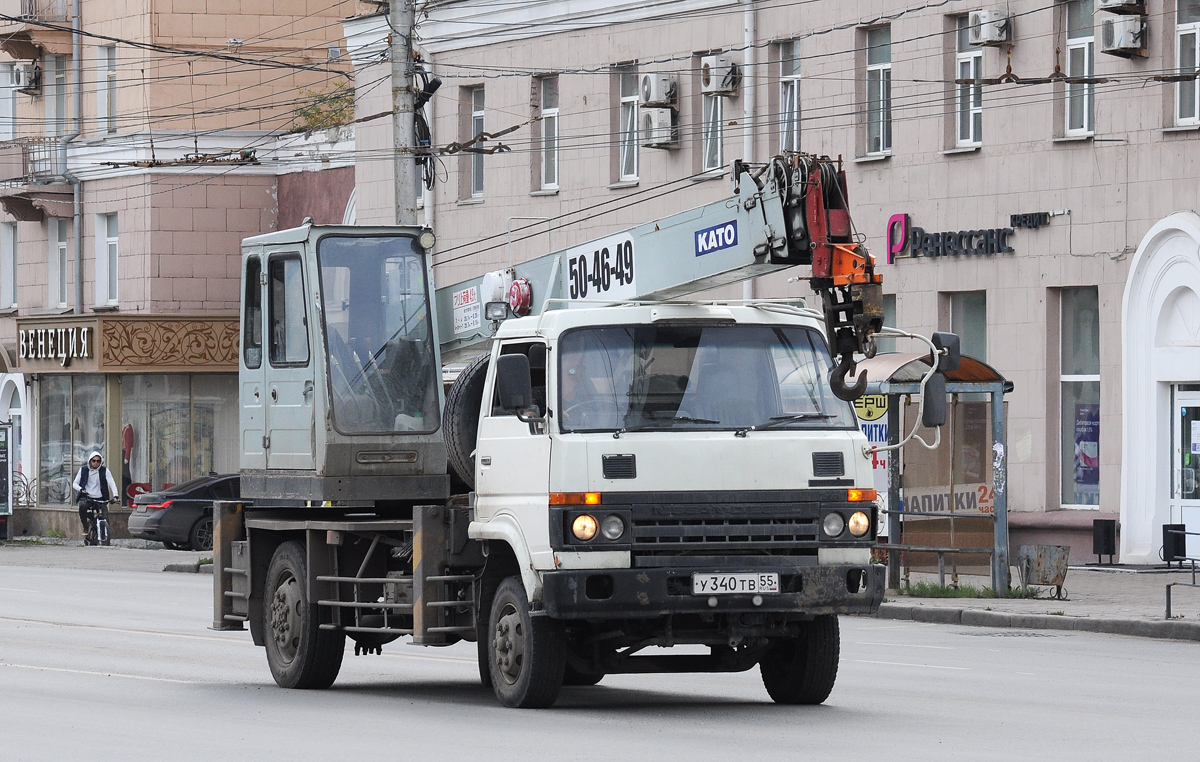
(122, 555)
(1118, 600)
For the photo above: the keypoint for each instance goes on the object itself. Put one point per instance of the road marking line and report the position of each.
(902, 664)
(15, 590)
(99, 674)
(902, 645)
(125, 630)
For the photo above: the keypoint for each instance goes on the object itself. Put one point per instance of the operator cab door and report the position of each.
(252, 375)
(290, 377)
(512, 464)
(1185, 458)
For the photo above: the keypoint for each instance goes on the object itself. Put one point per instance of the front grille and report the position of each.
(755, 534)
(828, 464)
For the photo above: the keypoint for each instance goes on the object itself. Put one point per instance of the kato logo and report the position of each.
(718, 237)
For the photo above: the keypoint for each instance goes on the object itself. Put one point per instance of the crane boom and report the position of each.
(790, 211)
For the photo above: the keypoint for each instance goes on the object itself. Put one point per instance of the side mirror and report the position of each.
(953, 358)
(933, 412)
(537, 356)
(513, 382)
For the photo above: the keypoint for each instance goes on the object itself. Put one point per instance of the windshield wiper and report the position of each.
(779, 420)
(655, 426)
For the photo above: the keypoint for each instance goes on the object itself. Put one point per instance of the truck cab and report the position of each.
(689, 459)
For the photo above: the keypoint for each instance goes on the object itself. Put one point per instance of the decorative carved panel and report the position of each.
(196, 344)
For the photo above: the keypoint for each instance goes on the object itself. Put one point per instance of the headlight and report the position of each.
(833, 524)
(612, 527)
(584, 527)
(860, 523)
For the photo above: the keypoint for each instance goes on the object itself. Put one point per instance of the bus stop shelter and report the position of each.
(949, 496)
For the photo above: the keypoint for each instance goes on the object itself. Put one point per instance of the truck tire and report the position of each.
(526, 654)
(461, 419)
(802, 670)
(299, 653)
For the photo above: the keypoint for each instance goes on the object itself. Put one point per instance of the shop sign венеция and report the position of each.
(60, 344)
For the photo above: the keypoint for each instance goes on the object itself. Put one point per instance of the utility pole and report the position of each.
(404, 135)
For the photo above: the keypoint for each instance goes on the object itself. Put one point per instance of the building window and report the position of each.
(8, 265)
(968, 319)
(1079, 368)
(549, 153)
(58, 229)
(712, 133)
(1081, 50)
(8, 102)
(628, 103)
(106, 91)
(71, 425)
(968, 68)
(106, 258)
(789, 95)
(54, 76)
(879, 90)
(476, 128)
(1187, 52)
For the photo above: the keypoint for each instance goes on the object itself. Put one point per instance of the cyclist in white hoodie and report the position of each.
(94, 482)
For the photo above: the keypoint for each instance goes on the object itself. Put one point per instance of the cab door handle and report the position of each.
(486, 460)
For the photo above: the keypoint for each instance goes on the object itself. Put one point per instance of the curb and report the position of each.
(1164, 629)
(193, 568)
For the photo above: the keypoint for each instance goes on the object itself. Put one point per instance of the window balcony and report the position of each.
(26, 161)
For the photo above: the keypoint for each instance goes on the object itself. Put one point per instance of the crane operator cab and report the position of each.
(339, 372)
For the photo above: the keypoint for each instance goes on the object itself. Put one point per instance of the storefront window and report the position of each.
(1080, 381)
(71, 414)
(175, 428)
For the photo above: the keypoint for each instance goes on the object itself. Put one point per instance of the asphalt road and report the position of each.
(119, 665)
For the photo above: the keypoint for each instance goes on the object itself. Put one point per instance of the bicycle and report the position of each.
(96, 512)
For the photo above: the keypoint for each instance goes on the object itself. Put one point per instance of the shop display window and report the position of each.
(175, 428)
(71, 418)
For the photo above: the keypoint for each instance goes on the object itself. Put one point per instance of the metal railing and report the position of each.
(30, 159)
(941, 554)
(1181, 559)
(45, 10)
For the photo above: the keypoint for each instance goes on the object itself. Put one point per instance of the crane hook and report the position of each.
(837, 379)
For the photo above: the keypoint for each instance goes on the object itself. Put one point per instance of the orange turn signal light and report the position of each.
(861, 495)
(574, 498)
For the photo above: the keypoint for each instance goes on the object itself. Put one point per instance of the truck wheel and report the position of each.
(299, 653)
(802, 670)
(461, 419)
(526, 654)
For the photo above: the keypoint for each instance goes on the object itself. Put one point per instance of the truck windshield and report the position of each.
(696, 377)
(376, 310)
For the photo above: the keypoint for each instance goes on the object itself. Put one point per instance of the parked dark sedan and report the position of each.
(180, 517)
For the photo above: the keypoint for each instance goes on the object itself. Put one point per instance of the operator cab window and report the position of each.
(536, 352)
(289, 328)
(252, 331)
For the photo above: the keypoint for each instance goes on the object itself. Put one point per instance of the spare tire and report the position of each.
(461, 419)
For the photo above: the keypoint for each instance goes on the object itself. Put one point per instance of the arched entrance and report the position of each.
(1160, 374)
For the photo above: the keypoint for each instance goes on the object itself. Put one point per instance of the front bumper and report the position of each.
(648, 593)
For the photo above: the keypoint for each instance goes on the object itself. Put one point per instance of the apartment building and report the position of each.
(1027, 177)
(139, 143)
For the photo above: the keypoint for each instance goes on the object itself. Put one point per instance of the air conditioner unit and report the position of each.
(655, 129)
(989, 27)
(1123, 36)
(719, 75)
(1123, 6)
(657, 90)
(27, 78)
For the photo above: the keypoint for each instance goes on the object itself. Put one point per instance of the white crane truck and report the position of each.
(616, 470)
